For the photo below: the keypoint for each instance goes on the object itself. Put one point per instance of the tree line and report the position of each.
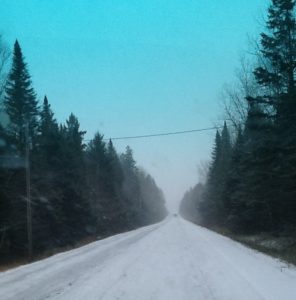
(77, 189)
(251, 184)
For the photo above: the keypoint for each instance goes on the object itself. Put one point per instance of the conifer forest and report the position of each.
(60, 189)
(251, 181)
(56, 189)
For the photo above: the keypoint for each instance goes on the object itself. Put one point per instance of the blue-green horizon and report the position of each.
(130, 67)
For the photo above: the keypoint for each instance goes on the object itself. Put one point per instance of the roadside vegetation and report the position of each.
(250, 192)
(58, 189)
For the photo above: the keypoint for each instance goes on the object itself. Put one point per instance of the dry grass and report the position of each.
(282, 247)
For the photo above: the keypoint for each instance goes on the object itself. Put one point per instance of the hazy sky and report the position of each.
(132, 67)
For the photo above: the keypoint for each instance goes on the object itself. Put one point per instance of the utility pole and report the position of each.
(28, 187)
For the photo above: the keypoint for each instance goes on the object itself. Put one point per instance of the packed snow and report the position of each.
(170, 260)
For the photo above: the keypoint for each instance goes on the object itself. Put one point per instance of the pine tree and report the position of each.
(278, 49)
(216, 155)
(45, 190)
(48, 123)
(190, 203)
(250, 184)
(277, 79)
(116, 168)
(75, 215)
(119, 209)
(225, 157)
(48, 136)
(213, 206)
(225, 146)
(21, 107)
(97, 157)
(153, 204)
(20, 100)
(131, 188)
(98, 170)
(233, 196)
(209, 205)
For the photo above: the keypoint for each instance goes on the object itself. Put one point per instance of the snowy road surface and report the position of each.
(171, 260)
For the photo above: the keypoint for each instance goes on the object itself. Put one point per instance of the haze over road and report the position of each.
(170, 260)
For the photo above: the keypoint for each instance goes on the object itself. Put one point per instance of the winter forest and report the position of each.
(251, 182)
(56, 188)
(59, 190)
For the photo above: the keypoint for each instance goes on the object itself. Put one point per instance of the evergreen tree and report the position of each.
(213, 206)
(189, 206)
(75, 215)
(225, 157)
(233, 192)
(116, 178)
(75, 191)
(278, 49)
(117, 172)
(258, 165)
(131, 188)
(249, 190)
(47, 139)
(48, 126)
(277, 79)
(45, 191)
(22, 108)
(209, 205)
(20, 100)
(98, 170)
(225, 147)
(152, 199)
(97, 160)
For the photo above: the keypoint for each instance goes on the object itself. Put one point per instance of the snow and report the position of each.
(170, 260)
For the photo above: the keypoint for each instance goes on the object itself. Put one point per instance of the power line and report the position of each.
(161, 134)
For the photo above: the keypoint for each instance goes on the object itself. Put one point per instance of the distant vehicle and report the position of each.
(175, 215)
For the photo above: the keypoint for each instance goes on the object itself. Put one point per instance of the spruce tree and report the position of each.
(209, 205)
(99, 181)
(131, 188)
(276, 76)
(251, 195)
(20, 100)
(48, 135)
(116, 177)
(213, 206)
(278, 50)
(46, 190)
(225, 157)
(153, 206)
(233, 196)
(76, 217)
(21, 107)
(117, 172)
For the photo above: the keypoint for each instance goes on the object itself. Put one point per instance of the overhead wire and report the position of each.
(162, 134)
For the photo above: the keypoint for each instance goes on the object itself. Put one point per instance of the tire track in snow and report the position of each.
(129, 265)
(50, 280)
(222, 257)
(207, 293)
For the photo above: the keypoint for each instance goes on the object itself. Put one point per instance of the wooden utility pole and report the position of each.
(28, 187)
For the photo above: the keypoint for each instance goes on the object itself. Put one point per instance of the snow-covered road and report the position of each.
(171, 260)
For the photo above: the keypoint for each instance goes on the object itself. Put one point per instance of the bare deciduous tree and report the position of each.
(234, 95)
(203, 170)
(4, 56)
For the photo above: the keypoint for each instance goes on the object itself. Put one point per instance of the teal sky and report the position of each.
(132, 67)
